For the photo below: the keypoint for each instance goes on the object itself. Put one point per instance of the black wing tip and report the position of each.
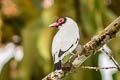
(57, 66)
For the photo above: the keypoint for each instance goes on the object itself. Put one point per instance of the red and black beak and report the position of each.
(54, 25)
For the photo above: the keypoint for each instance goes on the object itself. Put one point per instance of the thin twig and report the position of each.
(98, 68)
(113, 60)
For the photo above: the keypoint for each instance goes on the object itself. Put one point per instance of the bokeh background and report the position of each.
(24, 23)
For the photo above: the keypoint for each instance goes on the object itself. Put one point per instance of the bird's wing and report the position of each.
(63, 41)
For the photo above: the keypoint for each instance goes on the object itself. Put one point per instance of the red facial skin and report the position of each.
(59, 22)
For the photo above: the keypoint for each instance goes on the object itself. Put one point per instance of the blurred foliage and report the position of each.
(30, 19)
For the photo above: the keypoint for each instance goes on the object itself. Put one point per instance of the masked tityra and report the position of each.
(65, 40)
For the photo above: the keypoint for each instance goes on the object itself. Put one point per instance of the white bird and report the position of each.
(65, 40)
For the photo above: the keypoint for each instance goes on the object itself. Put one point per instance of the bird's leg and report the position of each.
(72, 54)
(76, 49)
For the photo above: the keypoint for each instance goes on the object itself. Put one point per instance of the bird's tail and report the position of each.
(57, 66)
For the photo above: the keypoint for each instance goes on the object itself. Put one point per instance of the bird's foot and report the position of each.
(72, 54)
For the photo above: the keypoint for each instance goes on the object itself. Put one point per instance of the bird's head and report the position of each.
(62, 22)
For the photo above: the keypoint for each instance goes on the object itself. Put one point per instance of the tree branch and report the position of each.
(86, 51)
(112, 58)
(98, 68)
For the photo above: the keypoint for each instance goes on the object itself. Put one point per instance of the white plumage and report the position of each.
(65, 40)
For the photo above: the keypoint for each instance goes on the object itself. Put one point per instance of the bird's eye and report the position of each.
(61, 20)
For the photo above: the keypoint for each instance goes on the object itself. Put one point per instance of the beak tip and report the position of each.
(50, 25)
(54, 25)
